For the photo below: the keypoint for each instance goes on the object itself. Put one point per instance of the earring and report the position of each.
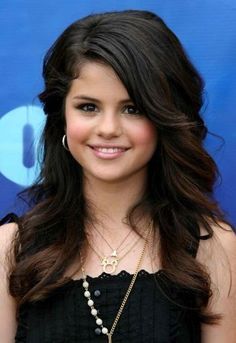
(64, 143)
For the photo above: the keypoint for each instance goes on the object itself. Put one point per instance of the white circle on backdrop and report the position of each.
(20, 130)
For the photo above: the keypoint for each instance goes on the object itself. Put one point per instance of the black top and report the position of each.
(64, 317)
(155, 312)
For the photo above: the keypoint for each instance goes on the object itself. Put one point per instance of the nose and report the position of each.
(109, 125)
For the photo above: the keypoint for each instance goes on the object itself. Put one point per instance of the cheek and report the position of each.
(77, 131)
(76, 128)
(146, 135)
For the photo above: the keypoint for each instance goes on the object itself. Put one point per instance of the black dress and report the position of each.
(156, 311)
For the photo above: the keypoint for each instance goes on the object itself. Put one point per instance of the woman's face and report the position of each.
(106, 134)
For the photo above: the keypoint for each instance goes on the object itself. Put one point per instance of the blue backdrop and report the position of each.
(207, 29)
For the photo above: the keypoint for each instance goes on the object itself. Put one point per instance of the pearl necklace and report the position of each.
(90, 301)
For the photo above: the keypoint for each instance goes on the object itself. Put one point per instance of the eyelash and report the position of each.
(82, 108)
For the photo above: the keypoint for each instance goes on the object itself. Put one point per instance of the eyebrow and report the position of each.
(88, 98)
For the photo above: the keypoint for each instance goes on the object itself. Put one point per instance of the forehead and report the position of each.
(98, 80)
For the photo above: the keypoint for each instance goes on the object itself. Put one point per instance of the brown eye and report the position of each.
(87, 107)
(131, 109)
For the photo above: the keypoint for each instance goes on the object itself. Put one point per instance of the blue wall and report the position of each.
(207, 29)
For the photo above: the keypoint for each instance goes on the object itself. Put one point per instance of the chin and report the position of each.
(108, 178)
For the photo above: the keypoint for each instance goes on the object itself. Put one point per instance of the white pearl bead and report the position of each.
(99, 321)
(87, 294)
(90, 302)
(104, 330)
(94, 312)
(85, 284)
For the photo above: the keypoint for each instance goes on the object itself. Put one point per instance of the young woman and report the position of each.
(123, 241)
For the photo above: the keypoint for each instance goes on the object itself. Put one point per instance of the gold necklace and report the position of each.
(90, 302)
(114, 251)
(110, 263)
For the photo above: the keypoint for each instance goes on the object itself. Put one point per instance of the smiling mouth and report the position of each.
(108, 150)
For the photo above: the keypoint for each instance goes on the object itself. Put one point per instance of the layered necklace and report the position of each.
(94, 312)
(109, 263)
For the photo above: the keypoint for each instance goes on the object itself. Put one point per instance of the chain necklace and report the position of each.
(111, 261)
(109, 264)
(114, 251)
(90, 302)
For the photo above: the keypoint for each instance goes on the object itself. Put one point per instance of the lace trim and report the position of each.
(123, 274)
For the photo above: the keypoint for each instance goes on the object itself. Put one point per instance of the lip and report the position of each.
(97, 146)
(108, 155)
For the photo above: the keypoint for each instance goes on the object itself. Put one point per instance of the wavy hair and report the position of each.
(165, 86)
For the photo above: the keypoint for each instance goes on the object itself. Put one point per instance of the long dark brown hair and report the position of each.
(165, 86)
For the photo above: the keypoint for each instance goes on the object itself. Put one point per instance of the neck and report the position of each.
(111, 201)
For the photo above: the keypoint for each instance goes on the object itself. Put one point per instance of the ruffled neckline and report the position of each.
(123, 274)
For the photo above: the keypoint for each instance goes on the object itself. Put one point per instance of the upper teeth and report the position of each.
(109, 150)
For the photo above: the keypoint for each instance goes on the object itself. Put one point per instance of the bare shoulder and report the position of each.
(7, 232)
(218, 256)
(7, 303)
(225, 236)
(222, 246)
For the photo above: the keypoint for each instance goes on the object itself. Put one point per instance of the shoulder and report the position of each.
(222, 245)
(8, 322)
(8, 230)
(224, 234)
(218, 256)
(7, 233)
